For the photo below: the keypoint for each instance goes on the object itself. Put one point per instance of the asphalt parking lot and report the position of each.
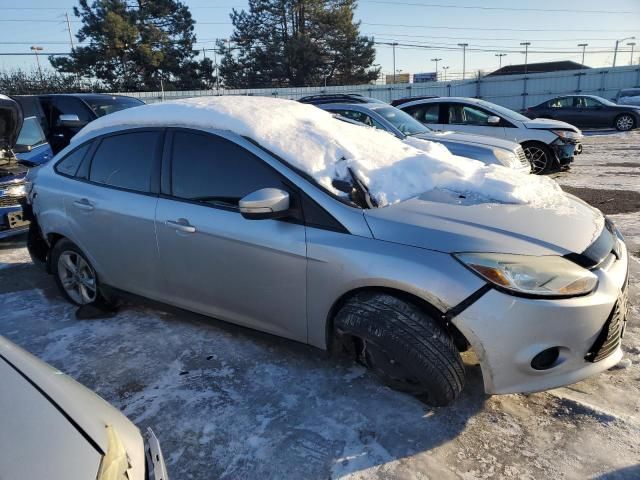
(227, 402)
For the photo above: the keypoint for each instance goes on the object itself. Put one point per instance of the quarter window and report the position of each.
(69, 164)
(126, 160)
(213, 170)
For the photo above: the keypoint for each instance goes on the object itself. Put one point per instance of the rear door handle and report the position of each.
(181, 225)
(83, 204)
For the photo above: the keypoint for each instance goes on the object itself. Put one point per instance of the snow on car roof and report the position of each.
(324, 147)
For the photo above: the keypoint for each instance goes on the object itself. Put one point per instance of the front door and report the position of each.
(213, 260)
(465, 118)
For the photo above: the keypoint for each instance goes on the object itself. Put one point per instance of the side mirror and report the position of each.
(265, 203)
(22, 149)
(493, 120)
(70, 120)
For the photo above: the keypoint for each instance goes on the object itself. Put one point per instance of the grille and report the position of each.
(521, 156)
(9, 202)
(610, 336)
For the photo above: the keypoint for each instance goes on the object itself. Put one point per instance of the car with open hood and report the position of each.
(277, 216)
(546, 143)
(55, 428)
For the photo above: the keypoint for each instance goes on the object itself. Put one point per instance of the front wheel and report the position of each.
(75, 277)
(406, 348)
(539, 155)
(625, 122)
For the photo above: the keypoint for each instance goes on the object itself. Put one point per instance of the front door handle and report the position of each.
(83, 204)
(181, 225)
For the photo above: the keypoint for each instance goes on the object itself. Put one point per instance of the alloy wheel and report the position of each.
(537, 157)
(77, 277)
(624, 123)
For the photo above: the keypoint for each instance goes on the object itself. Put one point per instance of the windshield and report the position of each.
(505, 112)
(632, 92)
(402, 121)
(105, 106)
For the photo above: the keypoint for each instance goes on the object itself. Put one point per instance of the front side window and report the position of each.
(359, 117)
(64, 105)
(460, 114)
(587, 102)
(31, 133)
(69, 164)
(126, 160)
(216, 171)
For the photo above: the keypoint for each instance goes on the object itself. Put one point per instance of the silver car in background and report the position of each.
(210, 220)
(54, 428)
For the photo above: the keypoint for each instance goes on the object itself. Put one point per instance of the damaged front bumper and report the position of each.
(564, 150)
(508, 333)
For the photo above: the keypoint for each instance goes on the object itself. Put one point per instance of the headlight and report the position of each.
(547, 276)
(16, 191)
(567, 134)
(506, 157)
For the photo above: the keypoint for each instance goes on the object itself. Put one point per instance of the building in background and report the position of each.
(399, 78)
(543, 67)
(425, 77)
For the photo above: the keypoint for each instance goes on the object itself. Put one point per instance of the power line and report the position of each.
(492, 29)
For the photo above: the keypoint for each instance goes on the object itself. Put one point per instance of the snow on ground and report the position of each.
(315, 142)
(227, 402)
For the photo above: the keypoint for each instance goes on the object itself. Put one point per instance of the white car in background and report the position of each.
(546, 143)
(52, 427)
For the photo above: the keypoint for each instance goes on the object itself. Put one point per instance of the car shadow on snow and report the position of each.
(229, 402)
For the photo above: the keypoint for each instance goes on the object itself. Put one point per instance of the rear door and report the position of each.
(589, 112)
(563, 108)
(461, 117)
(111, 208)
(213, 260)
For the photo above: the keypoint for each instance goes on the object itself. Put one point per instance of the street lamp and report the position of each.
(615, 52)
(584, 46)
(500, 55)
(35, 50)
(394, 44)
(436, 60)
(445, 72)
(464, 58)
(526, 54)
(631, 44)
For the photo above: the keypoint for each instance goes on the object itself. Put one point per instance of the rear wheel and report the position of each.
(539, 155)
(75, 277)
(406, 348)
(624, 122)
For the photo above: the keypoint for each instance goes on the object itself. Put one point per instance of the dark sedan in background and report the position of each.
(588, 111)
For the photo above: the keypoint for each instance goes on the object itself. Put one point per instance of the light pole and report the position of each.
(436, 60)
(445, 72)
(526, 54)
(615, 52)
(35, 50)
(584, 46)
(631, 44)
(500, 55)
(464, 58)
(393, 45)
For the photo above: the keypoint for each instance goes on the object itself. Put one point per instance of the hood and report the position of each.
(10, 122)
(468, 138)
(547, 124)
(439, 220)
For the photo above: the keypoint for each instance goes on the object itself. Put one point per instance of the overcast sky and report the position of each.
(554, 29)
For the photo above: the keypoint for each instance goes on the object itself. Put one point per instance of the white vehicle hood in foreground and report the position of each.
(442, 221)
(51, 427)
(547, 123)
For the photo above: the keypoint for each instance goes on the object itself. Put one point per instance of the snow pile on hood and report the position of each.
(314, 141)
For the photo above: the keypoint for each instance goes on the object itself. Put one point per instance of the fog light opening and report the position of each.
(545, 359)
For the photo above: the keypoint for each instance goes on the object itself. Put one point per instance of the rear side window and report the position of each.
(564, 102)
(426, 113)
(69, 164)
(126, 160)
(213, 170)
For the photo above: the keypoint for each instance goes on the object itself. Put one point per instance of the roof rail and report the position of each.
(336, 98)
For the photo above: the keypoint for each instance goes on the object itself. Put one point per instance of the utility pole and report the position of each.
(500, 55)
(394, 44)
(35, 50)
(631, 44)
(464, 58)
(615, 52)
(66, 14)
(445, 72)
(584, 46)
(526, 54)
(436, 60)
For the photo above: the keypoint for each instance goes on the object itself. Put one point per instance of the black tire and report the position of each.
(624, 122)
(539, 155)
(403, 345)
(66, 247)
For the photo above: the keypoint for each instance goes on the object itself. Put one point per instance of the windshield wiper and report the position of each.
(356, 189)
(362, 190)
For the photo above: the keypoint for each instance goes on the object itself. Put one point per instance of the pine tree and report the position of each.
(278, 43)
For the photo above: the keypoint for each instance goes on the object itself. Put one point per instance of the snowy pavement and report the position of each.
(227, 402)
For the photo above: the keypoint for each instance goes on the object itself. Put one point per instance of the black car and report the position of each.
(588, 111)
(63, 115)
